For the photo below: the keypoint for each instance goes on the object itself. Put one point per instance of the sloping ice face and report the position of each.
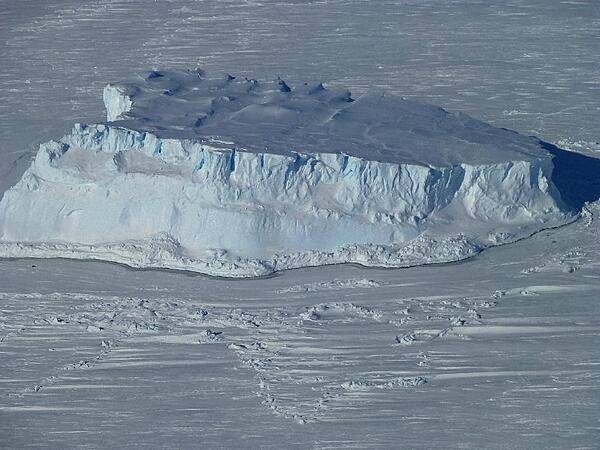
(233, 177)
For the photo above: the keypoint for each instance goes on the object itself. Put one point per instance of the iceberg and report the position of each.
(230, 176)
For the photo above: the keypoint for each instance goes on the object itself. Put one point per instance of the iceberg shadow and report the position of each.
(576, 176)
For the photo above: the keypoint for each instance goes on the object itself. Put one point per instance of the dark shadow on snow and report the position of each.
(576, 176)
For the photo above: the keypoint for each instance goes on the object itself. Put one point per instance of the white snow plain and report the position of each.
(231, 176)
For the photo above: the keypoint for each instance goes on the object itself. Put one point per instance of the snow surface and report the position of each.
(279, 118)
(502, 348)
(233, 177)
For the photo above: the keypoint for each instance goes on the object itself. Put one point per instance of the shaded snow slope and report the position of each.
(240, 178)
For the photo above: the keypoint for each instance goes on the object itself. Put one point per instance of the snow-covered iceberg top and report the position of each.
(272, 117)
(233, 177)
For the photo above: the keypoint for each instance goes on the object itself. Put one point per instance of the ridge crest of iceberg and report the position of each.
(214, 195)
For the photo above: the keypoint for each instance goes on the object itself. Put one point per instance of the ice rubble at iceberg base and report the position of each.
(112, 193)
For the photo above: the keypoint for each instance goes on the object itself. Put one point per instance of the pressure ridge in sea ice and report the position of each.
(230, 176)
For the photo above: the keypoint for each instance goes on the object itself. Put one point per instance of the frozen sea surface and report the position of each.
(500, 351)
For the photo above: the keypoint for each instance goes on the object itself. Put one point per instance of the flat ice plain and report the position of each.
(498, 351)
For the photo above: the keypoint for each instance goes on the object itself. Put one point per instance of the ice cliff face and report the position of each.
(179, 177)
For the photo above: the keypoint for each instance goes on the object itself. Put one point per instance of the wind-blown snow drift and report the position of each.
(234, 177)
